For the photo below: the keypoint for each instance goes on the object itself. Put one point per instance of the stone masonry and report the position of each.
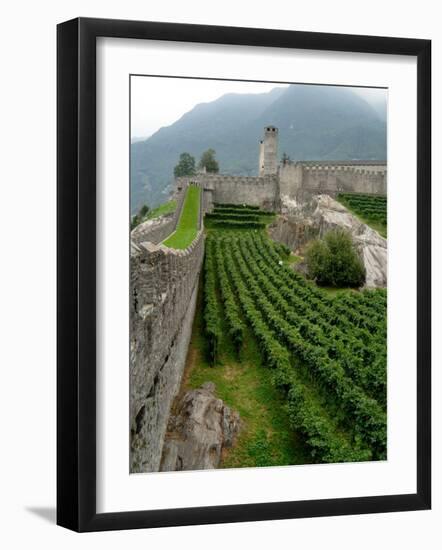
(164, 288)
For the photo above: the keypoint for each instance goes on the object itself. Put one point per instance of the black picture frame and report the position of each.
(76, 273)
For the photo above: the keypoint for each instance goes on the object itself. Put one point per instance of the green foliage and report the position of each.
(242, 216)
(188, 223)
(260, 450)
(334, 261)
(212, 318)
(141, 217)
(245, 386)
(327, 355)
(162, 210)
(144, 210)
(277, 357)
(185, 166)
(233, 224)
(316, 352)
(283, 250)
(145, 213)
(209, 162)
(134, 222)
(231, 309)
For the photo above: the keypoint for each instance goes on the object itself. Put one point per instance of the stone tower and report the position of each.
(268, 152)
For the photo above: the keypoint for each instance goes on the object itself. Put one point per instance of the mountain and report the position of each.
(315, 123)
(134, 139)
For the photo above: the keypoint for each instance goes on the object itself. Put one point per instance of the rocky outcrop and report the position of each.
(294, 226)
(299, 222)
(199, 428)
(155, 230)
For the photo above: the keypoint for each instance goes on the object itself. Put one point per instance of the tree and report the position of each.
(144, 210)
(335, 261)
(185, 166)
(134, 222)
(209, 162)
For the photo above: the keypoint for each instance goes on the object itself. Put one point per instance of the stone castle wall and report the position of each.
(261, 191)
(301, 179)
(296, 180)
(164, 288)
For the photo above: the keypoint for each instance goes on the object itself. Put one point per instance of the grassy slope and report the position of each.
(162, 209)
(187, 227)
(266, 438)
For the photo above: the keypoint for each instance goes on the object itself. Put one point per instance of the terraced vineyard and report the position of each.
(372, 209)
(227, 216)
(326, 355)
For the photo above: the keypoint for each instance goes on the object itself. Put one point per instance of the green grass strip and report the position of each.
(187, 227)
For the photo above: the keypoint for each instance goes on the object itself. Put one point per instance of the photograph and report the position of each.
(258, 274)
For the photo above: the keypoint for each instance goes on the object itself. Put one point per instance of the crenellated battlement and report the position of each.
(300, 179)
(356, 167)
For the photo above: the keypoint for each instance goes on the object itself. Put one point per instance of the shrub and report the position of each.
(144, 210)
(335, 261)
(134, 222)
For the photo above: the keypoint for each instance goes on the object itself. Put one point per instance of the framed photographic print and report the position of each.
(243, 274)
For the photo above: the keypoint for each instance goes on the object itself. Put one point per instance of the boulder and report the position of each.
(200, 426)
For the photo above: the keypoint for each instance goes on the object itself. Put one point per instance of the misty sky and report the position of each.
(157, 101)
